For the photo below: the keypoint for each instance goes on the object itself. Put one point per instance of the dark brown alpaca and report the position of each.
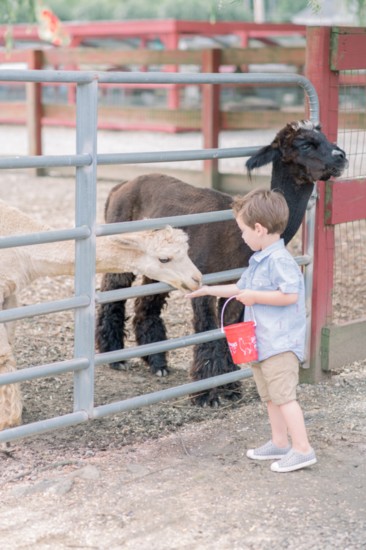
(300, 154)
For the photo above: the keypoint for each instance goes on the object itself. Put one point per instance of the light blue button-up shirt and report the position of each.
(279, 328)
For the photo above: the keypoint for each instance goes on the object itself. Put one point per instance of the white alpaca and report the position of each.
(159, 254)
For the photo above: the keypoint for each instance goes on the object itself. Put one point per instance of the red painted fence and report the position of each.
(333, 345)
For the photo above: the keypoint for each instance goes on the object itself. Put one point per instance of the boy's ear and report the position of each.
(260, 229)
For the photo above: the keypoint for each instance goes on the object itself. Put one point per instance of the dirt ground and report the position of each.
(170, 476)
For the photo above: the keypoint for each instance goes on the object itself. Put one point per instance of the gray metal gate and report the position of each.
(87, 230)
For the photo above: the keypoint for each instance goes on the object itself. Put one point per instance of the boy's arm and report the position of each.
(220, 291)
(266, 297)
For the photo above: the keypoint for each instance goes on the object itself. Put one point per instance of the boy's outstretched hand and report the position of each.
(202, 291)
(220, 291)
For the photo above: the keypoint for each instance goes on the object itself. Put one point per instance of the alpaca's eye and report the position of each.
(164, 260)
(306, 146)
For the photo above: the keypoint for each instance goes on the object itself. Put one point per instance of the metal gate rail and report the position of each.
(87, 230)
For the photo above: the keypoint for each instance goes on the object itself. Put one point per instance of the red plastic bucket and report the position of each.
(241, 340)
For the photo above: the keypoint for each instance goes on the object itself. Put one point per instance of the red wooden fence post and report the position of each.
(34, 108)
(171, 42)
(318, 51)
(211, 116)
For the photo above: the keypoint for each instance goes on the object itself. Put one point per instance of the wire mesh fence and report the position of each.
(349, 291)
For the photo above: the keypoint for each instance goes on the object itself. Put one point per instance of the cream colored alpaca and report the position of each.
(159, 254)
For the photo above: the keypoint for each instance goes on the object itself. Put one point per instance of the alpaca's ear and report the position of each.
(264, 156)
(129, 240)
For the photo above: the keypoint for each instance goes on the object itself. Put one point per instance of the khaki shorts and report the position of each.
(276, 378)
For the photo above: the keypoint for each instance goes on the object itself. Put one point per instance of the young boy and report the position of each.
(274, 288)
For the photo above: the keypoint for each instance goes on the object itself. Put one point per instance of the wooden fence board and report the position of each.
(345, 201)
(89, 58)
(273, 54)
(13, 112)
(96, 56)
(342, 344)
(348, 48)
(238, 120)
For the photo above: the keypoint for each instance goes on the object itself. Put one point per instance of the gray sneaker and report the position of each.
(294, 461)
(268, 451)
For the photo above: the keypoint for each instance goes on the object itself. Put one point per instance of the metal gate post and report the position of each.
(85, 212)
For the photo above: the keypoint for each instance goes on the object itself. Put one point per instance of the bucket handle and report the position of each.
(223, 310)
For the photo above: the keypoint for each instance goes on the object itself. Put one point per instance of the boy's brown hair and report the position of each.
(264, 206)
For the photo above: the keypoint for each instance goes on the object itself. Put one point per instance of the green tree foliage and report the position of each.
(361, 11)
(83, 10)
(17, 11)
(146, 9)
(282, 11)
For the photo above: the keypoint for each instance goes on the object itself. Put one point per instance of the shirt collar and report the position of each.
(261, 254)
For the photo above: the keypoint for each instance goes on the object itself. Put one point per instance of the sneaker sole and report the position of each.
(294, 467)
(266, 457)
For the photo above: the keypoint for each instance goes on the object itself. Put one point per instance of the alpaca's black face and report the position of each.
(304, 151)
(310, 156)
